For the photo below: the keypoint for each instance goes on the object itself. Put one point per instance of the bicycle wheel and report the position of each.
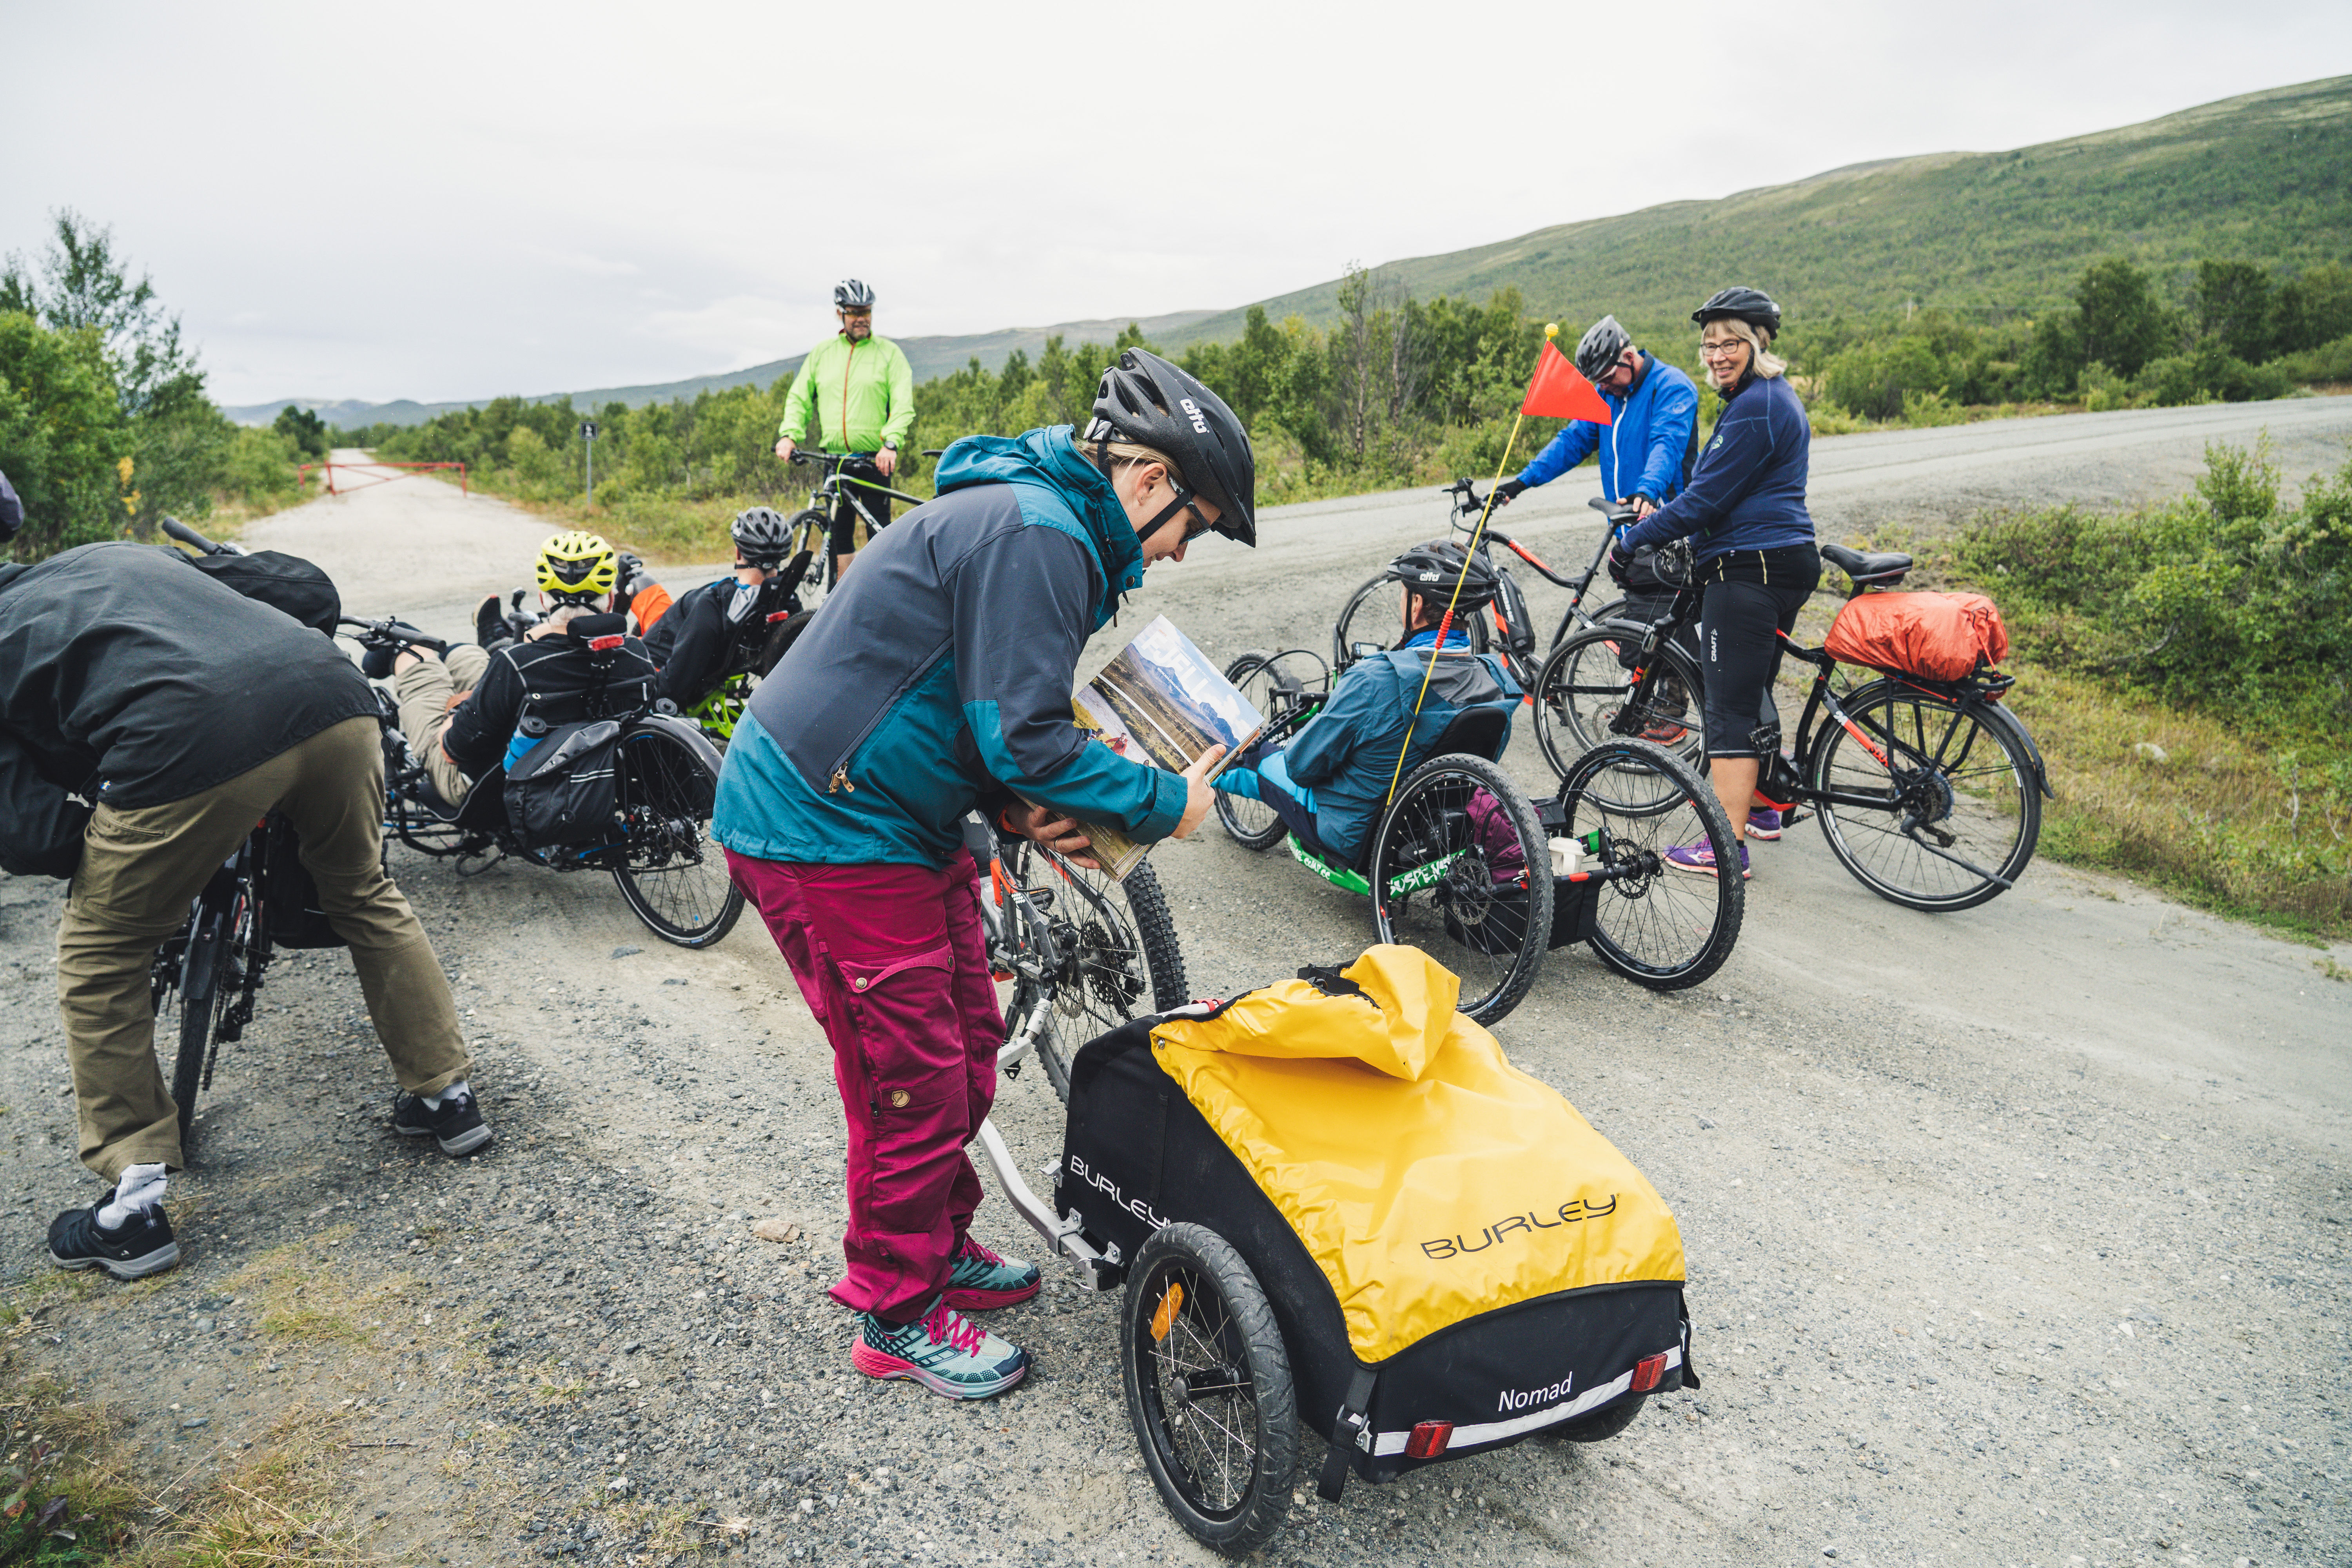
(665, 779)
(1208, 1388)
(1460, 870)
(811, 530)
(1931, 806)
(196, 1004)
(1656, 927)
(1113, 949)
(1372, 615)
(1253, 824)
(1585, 697)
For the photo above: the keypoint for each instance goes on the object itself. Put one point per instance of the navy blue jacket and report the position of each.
(937, 677)
(1645, 451)
(1748, 489)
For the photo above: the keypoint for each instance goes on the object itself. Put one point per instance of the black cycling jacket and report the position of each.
(571, 680)
(697, 640)
(128, 674)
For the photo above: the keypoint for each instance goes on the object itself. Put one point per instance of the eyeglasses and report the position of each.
(1200, 523)
(1723, 350)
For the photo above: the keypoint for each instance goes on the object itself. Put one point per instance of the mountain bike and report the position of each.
(1084, 950)
(849, 477)
(1929, 792)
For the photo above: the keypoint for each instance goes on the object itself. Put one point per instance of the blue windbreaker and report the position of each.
(1749, 491)
(938, 676)
(1646, 450)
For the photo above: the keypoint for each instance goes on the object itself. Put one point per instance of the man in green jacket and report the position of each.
(863, 393)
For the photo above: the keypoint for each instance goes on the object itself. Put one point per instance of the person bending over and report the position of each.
(1331, 781)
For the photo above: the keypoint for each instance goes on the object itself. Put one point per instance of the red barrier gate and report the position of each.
(303, 474)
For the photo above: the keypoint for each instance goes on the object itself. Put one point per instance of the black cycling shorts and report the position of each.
(1751, 596)
(844, 516)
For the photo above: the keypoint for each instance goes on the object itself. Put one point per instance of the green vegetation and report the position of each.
(104, 423)
(2189, 676)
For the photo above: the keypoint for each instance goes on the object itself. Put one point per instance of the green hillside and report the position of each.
(2266, 177)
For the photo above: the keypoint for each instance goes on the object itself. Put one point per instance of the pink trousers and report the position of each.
(893, 963)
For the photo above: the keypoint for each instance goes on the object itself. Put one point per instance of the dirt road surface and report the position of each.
(2016, 1236)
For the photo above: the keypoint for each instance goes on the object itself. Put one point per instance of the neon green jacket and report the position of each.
(864, 394)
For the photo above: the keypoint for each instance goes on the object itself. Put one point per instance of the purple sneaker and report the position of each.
(1698, 857)
(1764, 822)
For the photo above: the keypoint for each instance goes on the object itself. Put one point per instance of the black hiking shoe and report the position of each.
(490, 626)
(142, 1247)
(456, 1124)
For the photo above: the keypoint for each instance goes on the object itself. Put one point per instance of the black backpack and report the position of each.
(562, 790)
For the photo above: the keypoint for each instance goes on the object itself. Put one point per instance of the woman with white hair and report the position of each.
(1743, 512)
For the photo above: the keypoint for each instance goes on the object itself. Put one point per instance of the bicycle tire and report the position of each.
(1209, 1393)
(1106, 974)
(1388, 628)
(1662, 929)
(197, 1017)
(811, 528)
(670, 873)
(1251, 824)
(1939, 775)
(1585, 697)
(1605, 1424)
(1485, 922)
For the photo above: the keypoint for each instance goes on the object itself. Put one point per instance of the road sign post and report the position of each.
(588, 439)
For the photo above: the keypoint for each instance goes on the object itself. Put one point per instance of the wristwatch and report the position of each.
(890, 444)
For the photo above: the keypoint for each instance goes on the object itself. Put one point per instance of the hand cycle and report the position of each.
(657, 843)
(848, 476)
(1929, 792)
(759, 641)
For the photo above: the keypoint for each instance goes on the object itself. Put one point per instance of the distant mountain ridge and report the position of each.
(2266, 176)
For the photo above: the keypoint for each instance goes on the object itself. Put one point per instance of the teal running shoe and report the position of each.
(980, 1279)
(944, 1350)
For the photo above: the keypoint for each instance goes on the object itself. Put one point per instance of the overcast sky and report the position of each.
(453, 201)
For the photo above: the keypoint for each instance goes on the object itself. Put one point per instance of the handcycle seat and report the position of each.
(1867, 568)
(1474, 731)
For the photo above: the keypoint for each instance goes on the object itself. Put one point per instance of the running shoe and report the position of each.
(456, 1124)
(944, 1350)
(982, 1278)
(143, 1245)
(1698, 857)
(1764, 822)
(1664, 732)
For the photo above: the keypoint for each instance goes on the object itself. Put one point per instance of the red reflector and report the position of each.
(1647, 1371)
(600, 644)
(1429, 1439)
(775, 615)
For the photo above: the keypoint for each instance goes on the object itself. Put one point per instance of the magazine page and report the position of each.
(1161, 703)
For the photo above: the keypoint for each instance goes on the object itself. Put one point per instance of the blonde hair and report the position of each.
(1109, 455)
(1765, 363)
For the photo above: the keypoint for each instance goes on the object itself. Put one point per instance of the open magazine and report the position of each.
(1161, 703)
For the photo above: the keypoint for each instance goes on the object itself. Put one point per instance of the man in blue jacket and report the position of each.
(936, 678)
(1329, 783)
(1647, 449)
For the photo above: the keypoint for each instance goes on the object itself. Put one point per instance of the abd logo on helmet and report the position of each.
(1200, 420)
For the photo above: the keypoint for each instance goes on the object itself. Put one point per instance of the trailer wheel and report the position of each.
(1208, 1388)
(1600, 1428)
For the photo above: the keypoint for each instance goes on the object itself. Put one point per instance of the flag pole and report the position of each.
(1551, 330)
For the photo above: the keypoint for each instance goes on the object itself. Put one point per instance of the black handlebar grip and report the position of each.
(186, 535)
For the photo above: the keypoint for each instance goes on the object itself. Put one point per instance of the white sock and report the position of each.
(139, 1187)
(458, 1090)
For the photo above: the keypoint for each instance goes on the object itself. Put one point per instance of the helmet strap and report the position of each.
(1183, 499)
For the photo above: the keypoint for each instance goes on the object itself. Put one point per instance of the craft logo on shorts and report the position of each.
(1573, 1212)
(1520, 1398)
(1109, 1189)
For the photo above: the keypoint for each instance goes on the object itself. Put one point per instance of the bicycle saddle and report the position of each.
(1873, 567)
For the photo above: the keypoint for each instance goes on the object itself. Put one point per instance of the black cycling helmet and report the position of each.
(1739, 302)
(1597, 353)
(1431, 570)
(763, 535)
(849, 294)
(1148, 402)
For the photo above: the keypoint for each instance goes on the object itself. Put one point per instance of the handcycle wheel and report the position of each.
(1117, 946)
(1460, 870)
(1209, 1389)
(1665, 929)
(1371, 615)
(1953, 787)
(666, 777)
(811, 528)
(1585, 697)
(1253, 824)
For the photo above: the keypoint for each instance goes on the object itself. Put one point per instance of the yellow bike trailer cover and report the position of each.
(1456, 1257)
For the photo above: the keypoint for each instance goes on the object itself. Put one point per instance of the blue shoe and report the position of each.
(944, 1350)
(982, 1279)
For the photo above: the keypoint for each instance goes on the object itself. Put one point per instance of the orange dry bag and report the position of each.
(1944, 636)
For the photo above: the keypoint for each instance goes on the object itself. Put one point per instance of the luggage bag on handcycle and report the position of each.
(1456, 1258)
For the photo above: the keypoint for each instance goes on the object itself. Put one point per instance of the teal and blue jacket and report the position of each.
(937, 677)
(1646, 449)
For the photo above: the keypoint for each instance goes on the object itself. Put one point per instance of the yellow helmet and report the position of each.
(576, 567)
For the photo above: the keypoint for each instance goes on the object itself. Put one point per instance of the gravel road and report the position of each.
(2016, 1236)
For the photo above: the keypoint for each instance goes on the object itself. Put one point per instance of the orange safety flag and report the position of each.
(1558, 393)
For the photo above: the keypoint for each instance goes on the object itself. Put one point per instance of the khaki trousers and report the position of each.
(141, 868)
(424, 690)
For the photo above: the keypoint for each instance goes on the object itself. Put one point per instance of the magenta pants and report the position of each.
(893, 963)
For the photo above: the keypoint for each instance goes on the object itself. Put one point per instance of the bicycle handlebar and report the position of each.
(390, 631)
(189, 536)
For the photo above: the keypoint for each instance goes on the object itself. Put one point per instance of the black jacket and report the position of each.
(708, 633)
(127, 676)
(564, 680)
